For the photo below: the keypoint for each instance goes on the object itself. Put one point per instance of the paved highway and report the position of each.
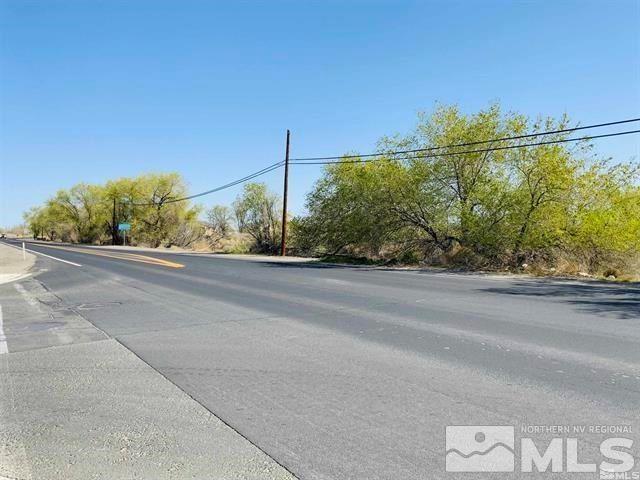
(352, 372)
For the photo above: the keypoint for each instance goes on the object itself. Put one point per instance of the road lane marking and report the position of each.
(43, 254)
(132, 257)
(141, 258)
(3, 339)
(54, 258)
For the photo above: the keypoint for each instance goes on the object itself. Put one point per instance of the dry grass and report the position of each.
(620, 267)
(235, 243)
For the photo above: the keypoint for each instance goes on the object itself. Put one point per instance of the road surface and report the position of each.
(351, 372)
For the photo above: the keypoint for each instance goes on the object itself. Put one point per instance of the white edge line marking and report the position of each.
(3, 338)
(54, 258)
(44, 255)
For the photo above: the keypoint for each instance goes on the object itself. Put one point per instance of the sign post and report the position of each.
(124, 227)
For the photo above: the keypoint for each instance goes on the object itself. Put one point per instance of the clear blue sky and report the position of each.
(92, 90)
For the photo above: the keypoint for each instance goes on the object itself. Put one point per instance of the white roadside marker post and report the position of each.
(24, 253)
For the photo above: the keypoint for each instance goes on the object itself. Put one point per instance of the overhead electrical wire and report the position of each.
(381, 156)
(468, 144)
(251, 176)
(373, 157)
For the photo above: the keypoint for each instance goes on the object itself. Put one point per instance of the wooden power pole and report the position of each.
(283, 241)
(114, 231)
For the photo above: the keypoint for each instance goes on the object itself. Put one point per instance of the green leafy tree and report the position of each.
(474, 203)
(81, 210)
(258, 212)
(156, 217)
(91, 213)
(218, 224)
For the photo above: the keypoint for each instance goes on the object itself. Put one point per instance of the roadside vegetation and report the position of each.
(91, 214)
(554, 208)
(548, 208)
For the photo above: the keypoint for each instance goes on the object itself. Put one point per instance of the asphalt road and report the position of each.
(345, 372)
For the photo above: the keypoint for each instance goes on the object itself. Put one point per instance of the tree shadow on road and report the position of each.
(313, 265)
(596, 297)
(621, 301)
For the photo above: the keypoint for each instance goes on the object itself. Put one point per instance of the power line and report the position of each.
(251, 176)
(265, 170)
(381, 156)
(467, 144)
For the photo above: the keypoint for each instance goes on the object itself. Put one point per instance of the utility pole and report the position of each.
(283, 241)
(114, 233)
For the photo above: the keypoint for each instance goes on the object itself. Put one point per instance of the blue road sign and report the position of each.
(123, 227)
